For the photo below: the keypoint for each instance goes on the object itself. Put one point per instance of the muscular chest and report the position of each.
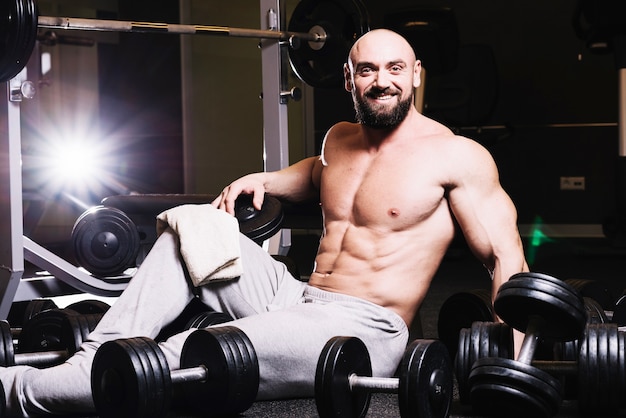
(393, 191)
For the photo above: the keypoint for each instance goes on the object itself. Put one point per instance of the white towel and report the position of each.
(209, 241)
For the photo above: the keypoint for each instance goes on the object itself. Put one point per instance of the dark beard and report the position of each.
(378, 119)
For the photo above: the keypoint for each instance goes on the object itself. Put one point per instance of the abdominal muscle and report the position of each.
(392, 269)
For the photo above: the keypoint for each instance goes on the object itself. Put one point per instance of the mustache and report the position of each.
(375, 92)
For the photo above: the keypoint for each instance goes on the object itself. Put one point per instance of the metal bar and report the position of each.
(622, 112)
(41, 358)
(11, 210)
(377, 384)
(192, 374)
(153, 27)
(69, 273)
(275, 115)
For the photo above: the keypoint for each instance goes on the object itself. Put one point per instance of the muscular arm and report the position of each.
(486, 214)
(297, 182)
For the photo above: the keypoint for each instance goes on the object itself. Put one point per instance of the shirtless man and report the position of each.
(389, 185)
(389, 188)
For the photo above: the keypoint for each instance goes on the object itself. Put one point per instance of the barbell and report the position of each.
(320, 35)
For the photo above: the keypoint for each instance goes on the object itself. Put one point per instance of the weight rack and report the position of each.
(67, 278)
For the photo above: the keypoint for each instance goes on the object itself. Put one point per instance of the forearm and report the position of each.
(294, 183)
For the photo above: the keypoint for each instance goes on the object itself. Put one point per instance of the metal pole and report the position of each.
(275, 122)
(11, 227)
(155, 27)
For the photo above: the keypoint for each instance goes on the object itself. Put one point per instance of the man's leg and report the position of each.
(289, 340)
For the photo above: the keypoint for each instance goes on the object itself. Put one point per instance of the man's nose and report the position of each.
(382, 80)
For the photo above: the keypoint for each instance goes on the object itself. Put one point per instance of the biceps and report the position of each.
(488, 222)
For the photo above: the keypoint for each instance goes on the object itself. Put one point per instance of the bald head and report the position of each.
(381, 43)
(381, 74)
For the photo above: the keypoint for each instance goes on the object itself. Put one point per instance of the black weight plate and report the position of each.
(343, 22)
(7, 353)
(233, 373)
(22, 311)
(598, 378)
(557, 288)
(461, 364)
(560, 307)
(621, 355)
(483, 339)
(158, 397)
(619, 311)
(207, 319)
(129, 380)
(259, 225)
(76, 328)
(425, 385)
(595, 290)
(43, 331)
(459, 311)
(89, 306)
(18, 32)
(340, 358)
(595, 312)
(105, 241)
(505, 387)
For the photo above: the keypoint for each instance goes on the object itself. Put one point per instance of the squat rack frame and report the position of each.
(66, 278)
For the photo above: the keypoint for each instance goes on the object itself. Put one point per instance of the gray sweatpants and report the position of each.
(287, 321)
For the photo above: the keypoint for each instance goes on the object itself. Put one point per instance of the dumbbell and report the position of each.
(219, 375)
(594, 376)
(494, 339)
(540, 306)
(344, 382)
(49, 338)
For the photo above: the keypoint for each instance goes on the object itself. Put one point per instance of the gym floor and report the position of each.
(593, 259)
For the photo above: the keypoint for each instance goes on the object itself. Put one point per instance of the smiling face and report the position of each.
(382, 73)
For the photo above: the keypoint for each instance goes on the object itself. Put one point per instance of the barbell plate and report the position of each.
(459, 311)
(18, 32)
(425, 386)
(232, 367)
(532, 294)
(341, 357)
(130, 378)
(105, 241)
(505, 387)
(343, 22)
(7, 353)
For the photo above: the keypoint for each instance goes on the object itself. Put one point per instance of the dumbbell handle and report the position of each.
(42, 358)
(531, 339)
(378, 384)
(192, 374)
(557, 367)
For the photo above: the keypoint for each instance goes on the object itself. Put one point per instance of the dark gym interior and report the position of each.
(528, 80)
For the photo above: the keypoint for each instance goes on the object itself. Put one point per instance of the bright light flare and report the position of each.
(76, 166)
(75, 162)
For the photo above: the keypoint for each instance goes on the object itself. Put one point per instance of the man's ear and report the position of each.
(417, 74)
(347, 75)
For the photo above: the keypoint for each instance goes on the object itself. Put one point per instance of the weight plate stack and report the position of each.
(425, 387)
(341, 357)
